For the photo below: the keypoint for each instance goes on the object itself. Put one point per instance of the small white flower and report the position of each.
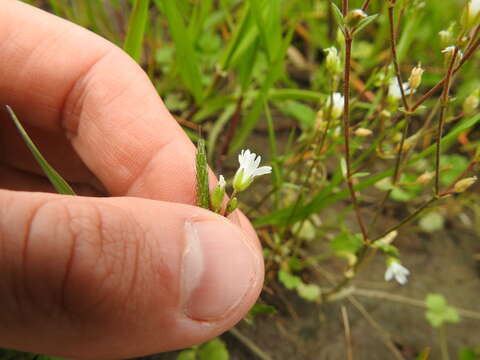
(221, 182)
(397, 271)
(449, 50)
(248, 170)
(474, 7)
(394, 92)
(338, 105)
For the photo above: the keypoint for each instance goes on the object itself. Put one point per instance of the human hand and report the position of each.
(91, 277)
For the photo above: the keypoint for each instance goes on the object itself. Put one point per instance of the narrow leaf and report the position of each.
(136, 29)
(57, 181)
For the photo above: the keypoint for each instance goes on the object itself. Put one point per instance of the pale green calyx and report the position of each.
(218, 194)
(248, 170)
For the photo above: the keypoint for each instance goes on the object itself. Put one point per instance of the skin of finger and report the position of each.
(100, 98)
(90, 278)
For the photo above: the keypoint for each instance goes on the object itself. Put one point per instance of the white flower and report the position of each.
(474, 7)
(394, 92)
(338, 105)
(397, 271)
(221, 182)
(359, 13)
(450, 50)
(248, 170)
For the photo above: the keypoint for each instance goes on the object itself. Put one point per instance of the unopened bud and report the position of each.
(425, 178)
(333, 62)
(355, 16)
(446, 37)
(385, 114)
(320, 123)
(471, 102)
(218, 194)
(337, 106)
(363, 132)
(464, 184)
(416, 77)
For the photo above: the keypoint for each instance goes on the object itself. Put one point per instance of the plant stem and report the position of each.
(346, 132)
(442, 338)
(393, 47)
(443, 112)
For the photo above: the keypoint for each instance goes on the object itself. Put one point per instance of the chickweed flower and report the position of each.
(394, 92)
(397, 271)
(333, 62)
(338, 105)
(464, 184)
(248, 170)
(416, 77)
(450, 50)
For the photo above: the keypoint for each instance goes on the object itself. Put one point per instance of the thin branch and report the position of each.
(346, 133)
(443, 112)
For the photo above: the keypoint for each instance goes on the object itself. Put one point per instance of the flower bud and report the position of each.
(471, 102)
(337, 106)
(446, 37)
(218, 194)
(416, 77)
(333, 62)
(363, 132)
(425, 178)
(464, 184)
(449, 51)
(355, 16)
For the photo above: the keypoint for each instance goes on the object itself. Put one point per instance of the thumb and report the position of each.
(119, 277)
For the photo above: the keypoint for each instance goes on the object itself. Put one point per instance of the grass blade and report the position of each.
(136, 29)
(185, 51)
(57, 181)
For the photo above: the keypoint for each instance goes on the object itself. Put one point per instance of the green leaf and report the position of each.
(203, 189)
(55, 178)
(310, 292)
(185, 51)
(301, 112)
(262, 309)
(364, 22)
(136, 29)
(338, 16)
(288, 280)
(188, 354)
(454, 165)
(213, 350)
(347, 243)
(439, 312)
(469, 354)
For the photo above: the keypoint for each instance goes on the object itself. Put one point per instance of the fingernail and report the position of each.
(219, 269)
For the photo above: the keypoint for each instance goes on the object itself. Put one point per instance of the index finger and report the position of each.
(59, 76)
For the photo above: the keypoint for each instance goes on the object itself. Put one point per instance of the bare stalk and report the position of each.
(346, 132)
(441, 122)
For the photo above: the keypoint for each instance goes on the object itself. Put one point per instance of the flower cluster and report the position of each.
(249, 169)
